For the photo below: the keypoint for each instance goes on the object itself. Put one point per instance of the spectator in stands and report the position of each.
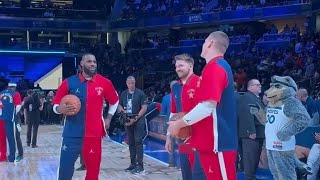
(310, 104)
(250, 129)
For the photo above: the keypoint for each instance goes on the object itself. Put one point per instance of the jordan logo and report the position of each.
(77, 91)
(64, 147)
(199, 82)
(91, 151)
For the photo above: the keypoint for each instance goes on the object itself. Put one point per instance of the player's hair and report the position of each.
(221, 40)
(86, 54)
(185, 57)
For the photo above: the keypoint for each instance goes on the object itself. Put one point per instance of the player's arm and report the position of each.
(173, 110)
(164, 106)
(212, 86)
(112, 97)
(61, 92)
(17, 101)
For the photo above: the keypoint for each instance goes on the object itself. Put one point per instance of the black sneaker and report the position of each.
(81, 168)
(34, 146)
(138, 170)
(130, 168)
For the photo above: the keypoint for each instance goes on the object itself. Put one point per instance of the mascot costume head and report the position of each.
(281, 89)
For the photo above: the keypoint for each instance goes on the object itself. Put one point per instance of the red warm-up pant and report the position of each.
(210, 165)
(218, 166)
(3, 142)
(89, 147)
(91, 153)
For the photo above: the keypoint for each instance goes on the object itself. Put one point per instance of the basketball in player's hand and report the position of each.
(70, 105)
(184, 132)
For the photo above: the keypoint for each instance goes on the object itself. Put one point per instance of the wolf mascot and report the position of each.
(285, 117)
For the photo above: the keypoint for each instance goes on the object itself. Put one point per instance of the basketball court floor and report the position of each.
(42, 163)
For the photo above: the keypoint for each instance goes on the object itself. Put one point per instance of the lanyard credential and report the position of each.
(129, 104)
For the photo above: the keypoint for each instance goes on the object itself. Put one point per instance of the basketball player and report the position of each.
(11, 104)
(3, 141)
(83, 132)
(182, 100)
(213, 119)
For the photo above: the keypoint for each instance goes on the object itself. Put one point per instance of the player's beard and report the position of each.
(89, 72)
(184, 74)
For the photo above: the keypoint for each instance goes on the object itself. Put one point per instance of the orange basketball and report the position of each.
(71, 99)
(184, 132)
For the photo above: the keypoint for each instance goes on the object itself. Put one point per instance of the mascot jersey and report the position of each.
(276, 120)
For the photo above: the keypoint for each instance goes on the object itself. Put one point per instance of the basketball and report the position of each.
(71, 99)
(184, 132)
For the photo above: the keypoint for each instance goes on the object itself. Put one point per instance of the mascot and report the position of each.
(285, 117)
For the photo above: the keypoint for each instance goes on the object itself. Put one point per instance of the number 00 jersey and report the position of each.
(276, 120)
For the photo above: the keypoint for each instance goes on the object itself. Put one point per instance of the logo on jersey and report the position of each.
(199, 81)
(277, 145)
(6, 96)
(99, 90)
(271, 115)
(191, 93)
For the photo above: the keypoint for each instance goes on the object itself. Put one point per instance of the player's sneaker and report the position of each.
(18, 158)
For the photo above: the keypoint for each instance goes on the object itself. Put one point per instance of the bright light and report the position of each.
(32, 52)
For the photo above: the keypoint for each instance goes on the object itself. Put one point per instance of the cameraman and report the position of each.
(32, 107)
(133, 103)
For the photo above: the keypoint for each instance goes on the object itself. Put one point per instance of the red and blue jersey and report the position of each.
(9, 99)
(182, 98)
(88, 121)
(218, 131)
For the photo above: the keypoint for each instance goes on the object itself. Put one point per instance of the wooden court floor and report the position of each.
(41, 163)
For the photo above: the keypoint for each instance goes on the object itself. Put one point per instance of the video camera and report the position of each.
(125, 117)
(39, 93)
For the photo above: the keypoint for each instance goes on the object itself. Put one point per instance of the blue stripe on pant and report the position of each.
(70, 151)
(197, 171)
(9, 130)
(185, 167)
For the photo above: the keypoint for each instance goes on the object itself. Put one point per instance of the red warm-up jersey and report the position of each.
(88, 121)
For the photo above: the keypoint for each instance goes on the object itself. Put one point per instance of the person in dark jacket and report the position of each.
(250, 128)
(32, 107)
